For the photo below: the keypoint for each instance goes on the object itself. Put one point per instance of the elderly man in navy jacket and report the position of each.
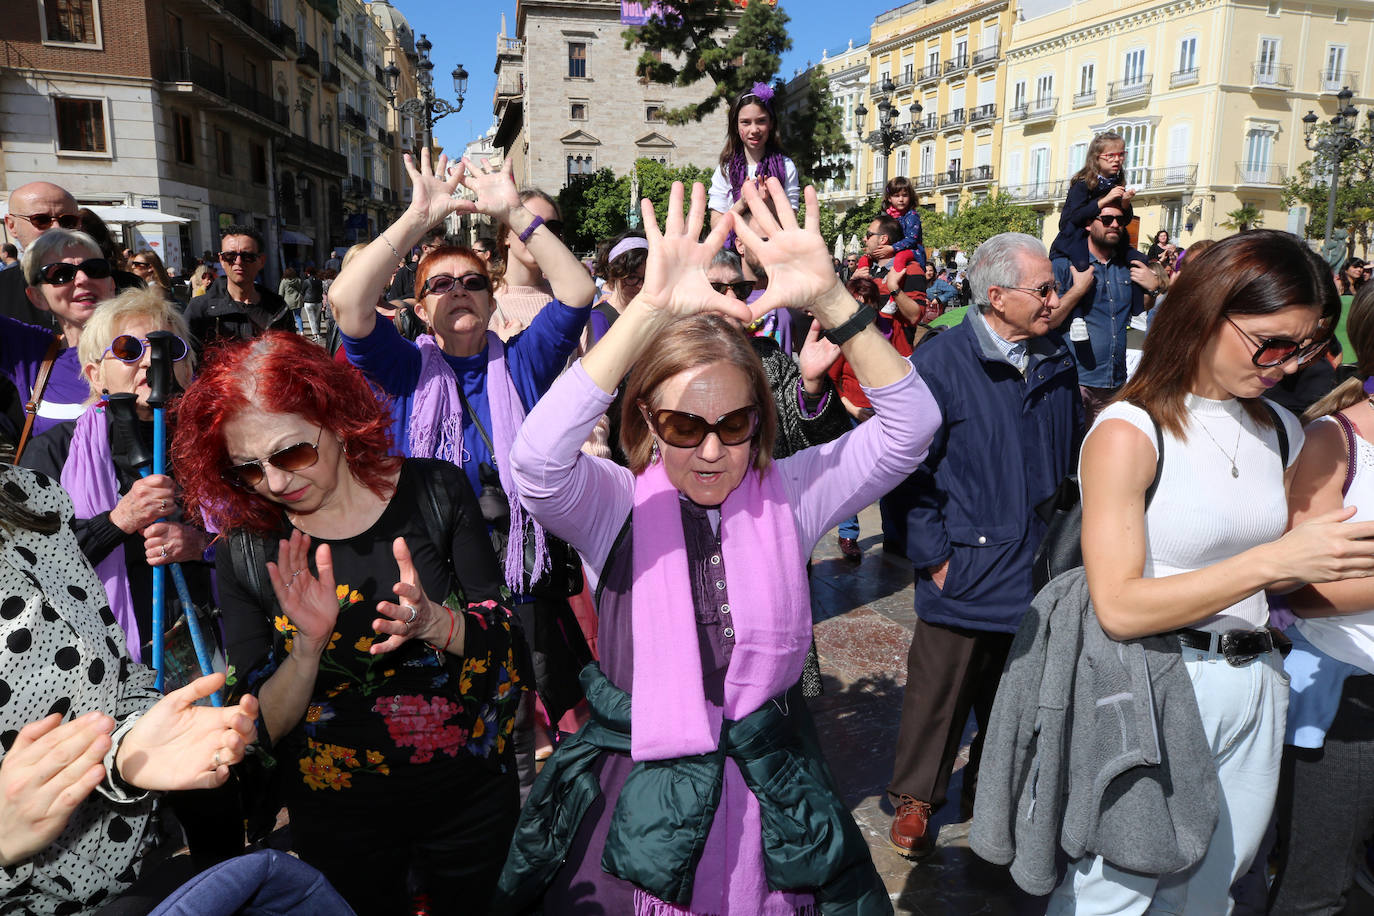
(1008, 395)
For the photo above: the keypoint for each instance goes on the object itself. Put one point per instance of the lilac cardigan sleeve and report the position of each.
(582, 499)
(830, 482)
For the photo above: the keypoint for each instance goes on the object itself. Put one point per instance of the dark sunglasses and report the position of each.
(442, 283)
(742, 288)
(61, 273)
(1041, 292)
(129, 349)
(1108, 219)
(687, 430)
(248, 257)
(291, 459)
(1275, 351)
(43, 221)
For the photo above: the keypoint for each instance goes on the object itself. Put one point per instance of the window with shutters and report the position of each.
(577, 59)
(81, 126)
(183, 138)
(71, 22)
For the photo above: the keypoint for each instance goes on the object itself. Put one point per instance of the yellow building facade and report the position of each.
(948, 57)
(1208, 94)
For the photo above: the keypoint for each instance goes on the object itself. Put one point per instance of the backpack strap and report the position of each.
(1282, 432)
(1159, 459)
(1350, 446)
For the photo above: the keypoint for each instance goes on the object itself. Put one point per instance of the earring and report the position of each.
(653, 453)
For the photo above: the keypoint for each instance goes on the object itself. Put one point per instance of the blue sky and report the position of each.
(465, 32)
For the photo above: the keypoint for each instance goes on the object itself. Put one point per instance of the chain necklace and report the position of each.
(1234, 452)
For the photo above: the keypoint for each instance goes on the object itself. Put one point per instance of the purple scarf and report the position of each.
(89, 477)
(669, 715)
(436, 431)
(773, 165)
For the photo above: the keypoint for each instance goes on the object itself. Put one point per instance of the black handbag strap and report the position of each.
(477, 422)
(1282, 432)
(1159, 461)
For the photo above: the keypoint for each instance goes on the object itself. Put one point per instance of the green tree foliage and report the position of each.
(975, 223)
(855, 222)
(596, 207)
(692, 33)
(1242, 218)
(1311, 187)
(814, 133)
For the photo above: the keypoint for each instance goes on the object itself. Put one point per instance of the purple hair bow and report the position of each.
(762, 91)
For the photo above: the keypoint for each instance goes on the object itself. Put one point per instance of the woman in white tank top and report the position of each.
(1199, 560)
(1325, 803)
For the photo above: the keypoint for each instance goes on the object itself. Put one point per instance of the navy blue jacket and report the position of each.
(1005, 444)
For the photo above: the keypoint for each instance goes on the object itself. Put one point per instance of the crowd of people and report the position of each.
(503, 557)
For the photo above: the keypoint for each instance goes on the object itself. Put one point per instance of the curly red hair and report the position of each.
(278, 372)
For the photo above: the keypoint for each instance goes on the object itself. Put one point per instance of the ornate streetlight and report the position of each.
(427, 106)
(888, 134)
(1334, 144)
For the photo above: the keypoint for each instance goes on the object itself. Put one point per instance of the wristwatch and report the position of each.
(856, 323)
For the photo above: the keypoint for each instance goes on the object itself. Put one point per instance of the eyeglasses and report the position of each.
(248, 257)
(869, 235)
(741, 288)
(1116, 156)
(1275, 351)
(140, 265)
(291, 459)
(129, 349)
(61, 273)
(1041, 292)
(43, 221)
(687, 430)
(1109, 219)
(442, 283)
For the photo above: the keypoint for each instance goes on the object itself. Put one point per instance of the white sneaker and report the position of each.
(1078, 330)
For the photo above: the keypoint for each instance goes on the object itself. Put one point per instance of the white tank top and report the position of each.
(1349, 638)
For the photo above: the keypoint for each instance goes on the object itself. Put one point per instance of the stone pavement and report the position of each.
(864, 619)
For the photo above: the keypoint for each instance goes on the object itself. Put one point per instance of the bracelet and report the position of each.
(529, 230)
(391, 246)
(452, 623)
(856, 323)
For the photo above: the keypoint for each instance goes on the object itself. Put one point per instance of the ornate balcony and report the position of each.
(1131, 89)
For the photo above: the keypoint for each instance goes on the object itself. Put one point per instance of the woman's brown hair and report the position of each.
(1251, 273)
(1359, 327)
(696, 341)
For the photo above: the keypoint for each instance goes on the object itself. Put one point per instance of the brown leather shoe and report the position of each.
(850, 550)
(908, 833)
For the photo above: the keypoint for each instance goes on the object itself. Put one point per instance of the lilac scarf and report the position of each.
(89, 477)
(436, 431)
(669, 715)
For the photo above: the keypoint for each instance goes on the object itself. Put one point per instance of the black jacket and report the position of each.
(215, 316)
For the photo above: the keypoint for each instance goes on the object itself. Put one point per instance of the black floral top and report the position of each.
(371, 716)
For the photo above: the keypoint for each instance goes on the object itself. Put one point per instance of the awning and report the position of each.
(291, 237)
(122, 214)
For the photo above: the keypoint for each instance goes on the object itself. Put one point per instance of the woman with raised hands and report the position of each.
(714, 796)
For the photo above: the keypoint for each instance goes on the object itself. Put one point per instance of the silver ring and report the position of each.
(164, 551)
(296, 573)
(414, 612)
(216, 760)
(162, 505)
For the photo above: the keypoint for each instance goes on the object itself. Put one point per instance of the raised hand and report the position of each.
(817, 355)
(309, 601)
(497, 195)
(675, 274)
(415, 616)
(49, 770)
(799, 267)
(432, 189)
(177, 745)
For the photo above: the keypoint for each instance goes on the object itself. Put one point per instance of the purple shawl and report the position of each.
(669, 715)
(436, 431)
(89, 477)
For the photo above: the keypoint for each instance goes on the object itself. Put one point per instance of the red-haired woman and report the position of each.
(385, 671)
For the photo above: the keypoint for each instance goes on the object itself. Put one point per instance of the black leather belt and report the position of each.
(1238, 647)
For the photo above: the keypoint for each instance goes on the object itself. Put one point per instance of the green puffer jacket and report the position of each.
(659, 826)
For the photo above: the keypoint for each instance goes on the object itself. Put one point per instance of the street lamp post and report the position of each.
(887, 134)
(428, 107)
(1335, 144)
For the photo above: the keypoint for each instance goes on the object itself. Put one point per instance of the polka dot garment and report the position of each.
(63, 652)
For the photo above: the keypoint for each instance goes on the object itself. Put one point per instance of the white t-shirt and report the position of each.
(1350, 637)
(1201, 514)
(722, 196)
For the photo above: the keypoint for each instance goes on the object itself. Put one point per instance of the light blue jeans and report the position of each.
(1243, 711)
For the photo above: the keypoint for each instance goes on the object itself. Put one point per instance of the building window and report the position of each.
(1342, 14)
(1274, 7)
(183, 138)
(577, 59)
(1087, 79)
(1171, 215)
(224, 152)
(1187, 54)
(951, 206)
(579, 165)
(258, 155)
(71, 22)
(1133, 73)
(653, 113)
(81, 125)
(1334, 75)
(578, 111)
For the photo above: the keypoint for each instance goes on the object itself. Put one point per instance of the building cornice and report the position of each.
(935, 28)
(1108, 27)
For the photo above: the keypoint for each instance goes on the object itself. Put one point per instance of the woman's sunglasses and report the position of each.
(742, 288)
(291, 459)
(61, 273)
(687, 430)
(1275, 351)
(442, 283)
(129, 349)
